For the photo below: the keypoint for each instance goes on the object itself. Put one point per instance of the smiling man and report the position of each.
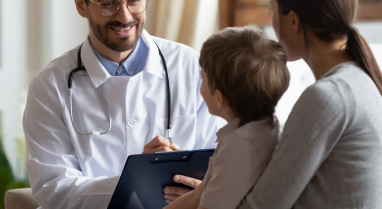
(78, 139)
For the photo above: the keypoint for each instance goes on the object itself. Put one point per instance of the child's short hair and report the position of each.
(249, 69)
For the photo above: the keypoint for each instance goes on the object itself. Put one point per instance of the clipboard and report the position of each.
(144, 177)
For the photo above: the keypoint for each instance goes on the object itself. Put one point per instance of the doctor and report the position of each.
(125, 80)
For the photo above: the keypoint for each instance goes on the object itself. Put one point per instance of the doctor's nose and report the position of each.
(123, 15)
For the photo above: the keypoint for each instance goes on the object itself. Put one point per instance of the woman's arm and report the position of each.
(188, 201)
(313, 128)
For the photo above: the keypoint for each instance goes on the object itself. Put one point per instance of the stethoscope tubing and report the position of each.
(70, 80)
(80, 68)
(169, 137)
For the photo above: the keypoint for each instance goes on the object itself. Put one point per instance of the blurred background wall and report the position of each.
(33, 32)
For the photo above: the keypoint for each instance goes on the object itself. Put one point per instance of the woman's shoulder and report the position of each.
(319, 102)
(347, 78)
(321, 94)
(342, 87)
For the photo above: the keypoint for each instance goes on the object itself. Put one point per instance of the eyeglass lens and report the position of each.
(111, 7)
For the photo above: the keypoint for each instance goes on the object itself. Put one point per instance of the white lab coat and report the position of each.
(67, 170)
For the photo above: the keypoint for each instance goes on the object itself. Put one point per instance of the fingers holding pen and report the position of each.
(159, 144)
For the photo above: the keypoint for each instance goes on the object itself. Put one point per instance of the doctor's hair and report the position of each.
(331, 20)
(249, 69)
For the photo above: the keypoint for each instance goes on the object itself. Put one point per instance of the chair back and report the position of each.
(20, 199)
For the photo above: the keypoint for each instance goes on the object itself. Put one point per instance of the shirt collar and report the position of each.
(231, 126)
(131, 63)
(98, 73)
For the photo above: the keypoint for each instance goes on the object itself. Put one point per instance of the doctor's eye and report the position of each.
(107, 5)
(108, 2)
(135, 2)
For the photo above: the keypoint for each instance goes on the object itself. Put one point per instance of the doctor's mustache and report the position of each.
(119, 24)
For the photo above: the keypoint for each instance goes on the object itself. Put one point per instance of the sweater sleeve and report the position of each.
(314, 126)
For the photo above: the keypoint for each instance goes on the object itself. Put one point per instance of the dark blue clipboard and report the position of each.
(144, 177)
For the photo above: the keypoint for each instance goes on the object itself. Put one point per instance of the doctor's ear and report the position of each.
(81, 8)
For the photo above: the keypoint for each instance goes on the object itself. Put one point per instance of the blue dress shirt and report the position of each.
(133, 65)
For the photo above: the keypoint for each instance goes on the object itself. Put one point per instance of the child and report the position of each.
(244, 75)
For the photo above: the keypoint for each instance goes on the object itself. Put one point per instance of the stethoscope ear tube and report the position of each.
(169, 138)
(70, 80)
(80, 67)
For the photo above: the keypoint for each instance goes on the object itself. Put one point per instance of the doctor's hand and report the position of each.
(173, 192)
(159, 144)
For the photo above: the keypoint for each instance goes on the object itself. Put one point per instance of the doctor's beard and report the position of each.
(101, 33)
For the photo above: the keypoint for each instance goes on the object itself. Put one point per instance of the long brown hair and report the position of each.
(330, 20)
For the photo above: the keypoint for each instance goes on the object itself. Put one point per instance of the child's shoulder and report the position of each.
(258, 134)
(258, 131)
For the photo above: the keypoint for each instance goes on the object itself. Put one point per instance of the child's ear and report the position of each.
(220, 99)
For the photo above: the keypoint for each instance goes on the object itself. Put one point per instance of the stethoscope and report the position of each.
(95, 133)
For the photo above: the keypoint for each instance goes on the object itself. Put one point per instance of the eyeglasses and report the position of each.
(109, 8)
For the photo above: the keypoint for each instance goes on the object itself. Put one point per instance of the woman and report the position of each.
(330, 153)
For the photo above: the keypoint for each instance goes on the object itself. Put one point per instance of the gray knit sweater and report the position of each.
(330, 153)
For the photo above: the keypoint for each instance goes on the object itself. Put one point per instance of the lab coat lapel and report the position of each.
(97, 72)
(154, 64)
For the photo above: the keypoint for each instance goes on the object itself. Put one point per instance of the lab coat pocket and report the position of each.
(183, 129)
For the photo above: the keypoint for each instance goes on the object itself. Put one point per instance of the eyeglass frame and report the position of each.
(120, 3)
